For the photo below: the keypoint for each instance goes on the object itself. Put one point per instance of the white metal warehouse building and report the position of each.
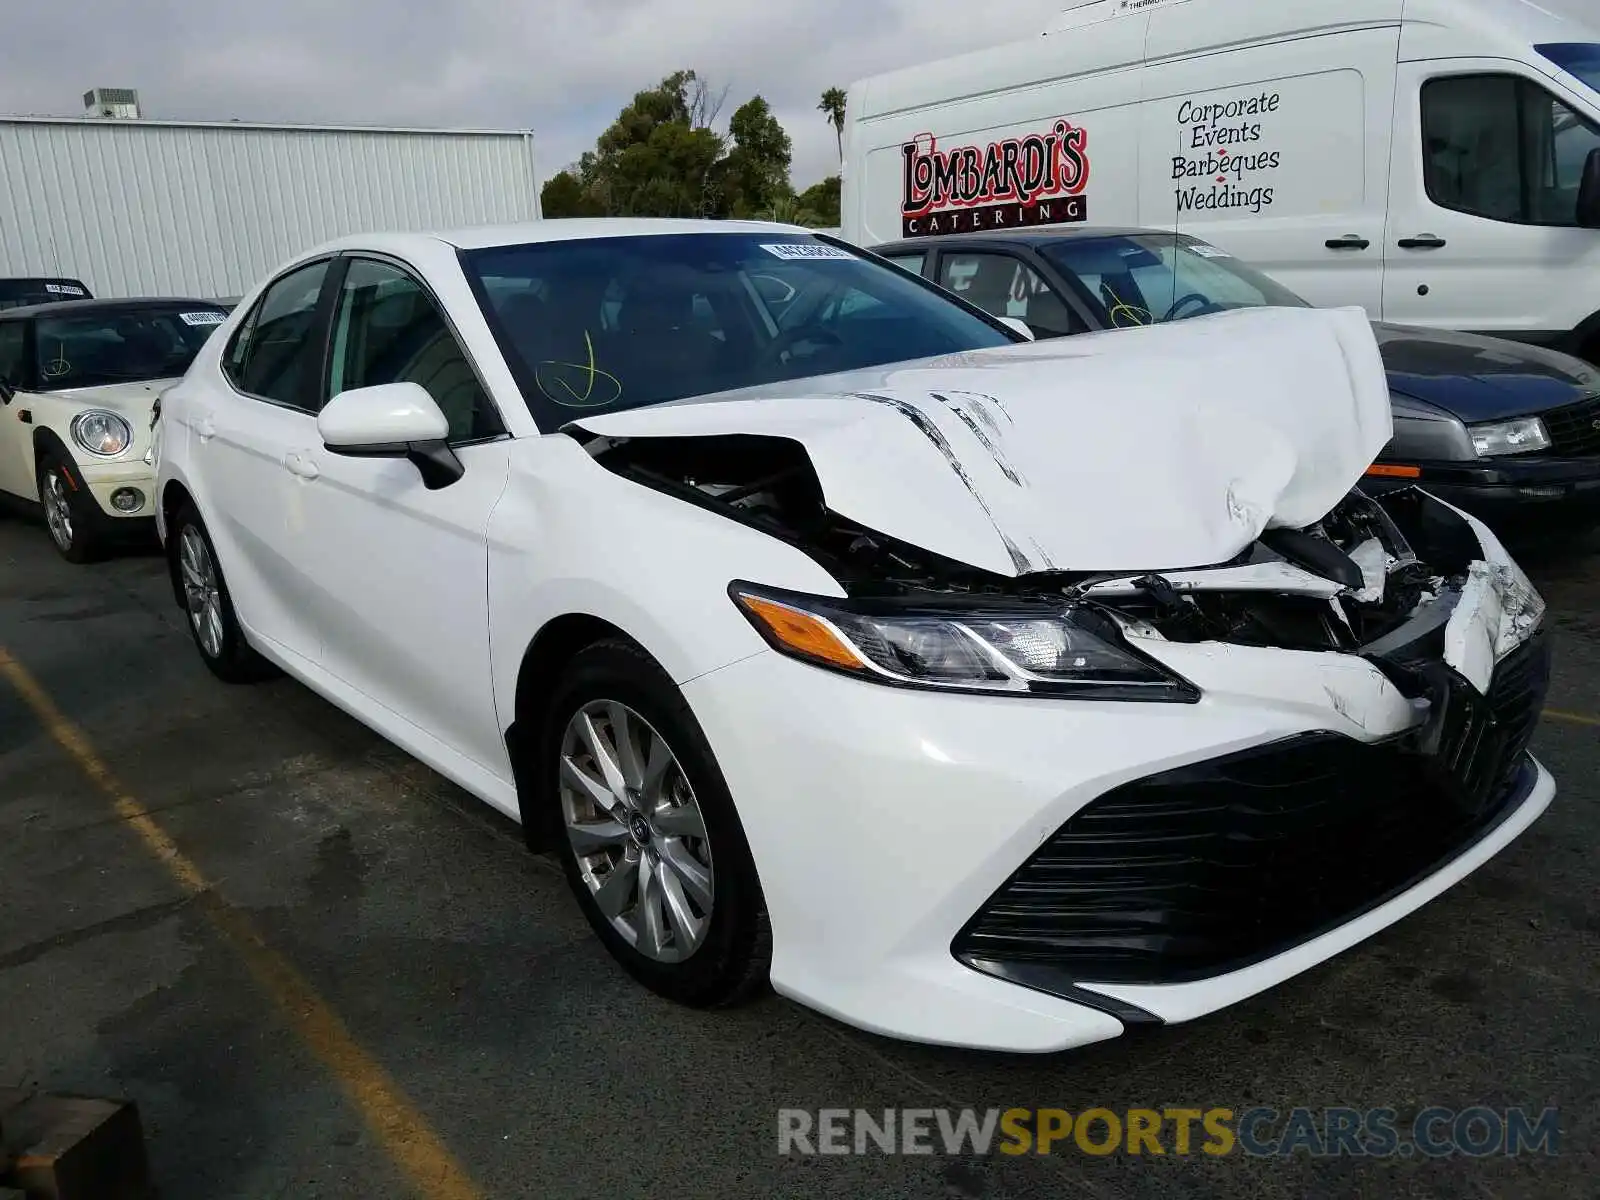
(139, 207)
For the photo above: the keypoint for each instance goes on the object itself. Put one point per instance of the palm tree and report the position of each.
(832, 105)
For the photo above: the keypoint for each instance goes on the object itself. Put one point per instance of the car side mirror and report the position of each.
(1589, 192)
(1018, 325)
(392, 420)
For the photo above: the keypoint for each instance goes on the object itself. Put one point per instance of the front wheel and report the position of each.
(69, 514)
(212, 621)
(652, 845)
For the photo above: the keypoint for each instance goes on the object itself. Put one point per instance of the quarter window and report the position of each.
(1004, 286)
(389, 330)
(1501, 147)
(274, 356)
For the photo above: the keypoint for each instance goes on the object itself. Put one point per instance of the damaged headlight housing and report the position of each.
(991, 646)
(1522, 436)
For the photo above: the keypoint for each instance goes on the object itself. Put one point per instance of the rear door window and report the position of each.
(275, 356)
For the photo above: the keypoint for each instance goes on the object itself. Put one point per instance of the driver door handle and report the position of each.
(1350, 241)
(1426, 241)
(299, 464)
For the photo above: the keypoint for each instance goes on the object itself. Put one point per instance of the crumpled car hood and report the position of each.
(1159, 448)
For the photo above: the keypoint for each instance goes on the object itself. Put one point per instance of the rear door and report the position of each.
(1280, 155)
(243, 441)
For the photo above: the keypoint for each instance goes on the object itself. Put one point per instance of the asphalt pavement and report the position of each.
(322, 971)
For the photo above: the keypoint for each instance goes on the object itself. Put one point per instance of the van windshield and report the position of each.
(1149, 279)
(1581, 59)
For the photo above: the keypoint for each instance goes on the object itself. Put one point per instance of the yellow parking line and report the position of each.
(1571, 718)
(403, 1131)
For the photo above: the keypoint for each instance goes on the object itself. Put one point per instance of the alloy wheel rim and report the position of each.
(201, 595)
(636, 828)
(57, 513)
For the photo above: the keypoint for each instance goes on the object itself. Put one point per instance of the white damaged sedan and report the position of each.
(972, 691)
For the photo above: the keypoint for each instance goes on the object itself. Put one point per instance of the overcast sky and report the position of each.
(563, 69)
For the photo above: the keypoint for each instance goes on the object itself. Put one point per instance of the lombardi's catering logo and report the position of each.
(1038, 179)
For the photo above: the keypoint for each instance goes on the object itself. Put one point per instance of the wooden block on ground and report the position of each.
(74, 1148)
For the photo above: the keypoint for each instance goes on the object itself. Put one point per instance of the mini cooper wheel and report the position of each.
(651, 843)
(69, 514)
(208, 605)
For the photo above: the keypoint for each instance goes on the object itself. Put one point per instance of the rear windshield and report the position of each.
(605, 324)
(18, 293)
(1576, 58)
(125, 345)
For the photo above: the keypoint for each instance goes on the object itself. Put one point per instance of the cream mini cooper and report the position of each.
(78, 388)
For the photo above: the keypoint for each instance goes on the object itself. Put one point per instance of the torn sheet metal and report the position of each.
(1373, 560)
(1146, 449)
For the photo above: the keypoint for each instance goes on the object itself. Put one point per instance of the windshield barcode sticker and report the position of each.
(202, 318)
(63, 289)
(1205, 251)
(797, 251)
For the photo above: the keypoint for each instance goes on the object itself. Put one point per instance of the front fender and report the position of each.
(569, 537)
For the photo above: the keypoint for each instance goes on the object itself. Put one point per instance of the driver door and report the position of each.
(402, 571)
(16, 432)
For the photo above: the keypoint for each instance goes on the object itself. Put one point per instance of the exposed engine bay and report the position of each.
(1363, 573)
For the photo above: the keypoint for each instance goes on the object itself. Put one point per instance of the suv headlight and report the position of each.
(988, 645)
(1521, 436)
(102, 433)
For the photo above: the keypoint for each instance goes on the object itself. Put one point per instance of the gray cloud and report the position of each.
(563, 70)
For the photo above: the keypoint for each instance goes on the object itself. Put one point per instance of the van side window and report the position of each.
(1500, 147)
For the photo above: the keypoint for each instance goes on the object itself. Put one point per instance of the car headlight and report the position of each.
(994, 646)
(102, 433)
(1509, 437)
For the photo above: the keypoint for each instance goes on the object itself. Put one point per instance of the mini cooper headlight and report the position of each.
(995, 646)
(102, 433)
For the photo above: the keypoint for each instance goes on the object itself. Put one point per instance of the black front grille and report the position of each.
(1575, 429)
(1203, 870)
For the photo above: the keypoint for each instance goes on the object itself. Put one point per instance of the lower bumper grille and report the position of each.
(1204, 870)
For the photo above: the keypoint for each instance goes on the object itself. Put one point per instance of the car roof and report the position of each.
(61, 308)
(1026, 237)
(556, 229)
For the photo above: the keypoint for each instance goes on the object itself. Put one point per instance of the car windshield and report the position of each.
(122, 345)
(19, 293)
(1581, 59)
(1148, 279)
(606, 324)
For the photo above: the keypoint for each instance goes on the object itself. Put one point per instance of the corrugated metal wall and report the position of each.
(156, 208)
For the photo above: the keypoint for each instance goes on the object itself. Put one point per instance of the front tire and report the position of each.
(650, 840)
(69, 514)
(208, 605)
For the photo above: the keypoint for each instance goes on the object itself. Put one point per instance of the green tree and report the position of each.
(564, 195)
(756, 170)
(819, 203)
(832, 105)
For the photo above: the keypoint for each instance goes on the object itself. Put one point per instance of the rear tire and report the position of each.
(657, 857)
(207, 604)
(69, 513)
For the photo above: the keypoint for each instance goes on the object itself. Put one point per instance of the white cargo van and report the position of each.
(1436, 162)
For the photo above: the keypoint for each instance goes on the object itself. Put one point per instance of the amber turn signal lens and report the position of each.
(1390, 471)
(801, 632)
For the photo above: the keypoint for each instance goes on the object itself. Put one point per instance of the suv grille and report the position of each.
(1207, 869)
(1575, 429)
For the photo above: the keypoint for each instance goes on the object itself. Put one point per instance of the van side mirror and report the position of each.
(1589, 193)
